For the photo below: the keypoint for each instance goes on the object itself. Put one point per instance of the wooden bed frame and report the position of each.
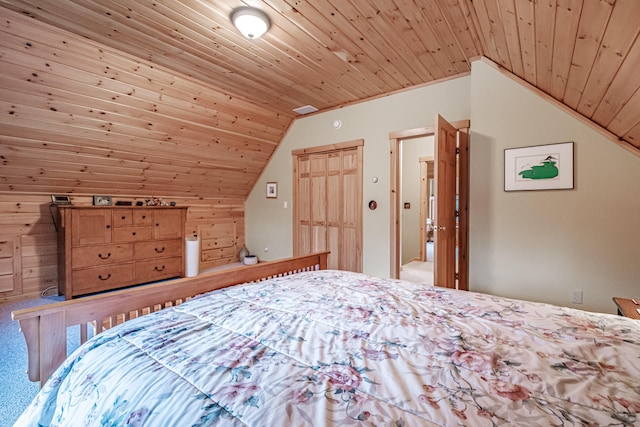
(45, 327)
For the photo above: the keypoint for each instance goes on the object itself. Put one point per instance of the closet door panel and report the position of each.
(350, 247)
(302, 230)
(333, 245)
(318, 202)
(328, 203)
(352, 210)
(334, 209)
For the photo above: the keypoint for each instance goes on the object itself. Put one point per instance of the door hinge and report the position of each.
(457, 276)
(457, 151)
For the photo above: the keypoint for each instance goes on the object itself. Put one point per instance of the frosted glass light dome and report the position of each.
(251, 22)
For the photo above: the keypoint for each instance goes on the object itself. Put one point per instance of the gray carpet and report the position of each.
(16, 391)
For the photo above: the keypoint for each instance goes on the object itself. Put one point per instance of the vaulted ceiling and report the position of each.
(329, 53)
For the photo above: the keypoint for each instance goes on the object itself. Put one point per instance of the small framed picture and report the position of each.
(272, 190)
(102, 200)
(541, 167)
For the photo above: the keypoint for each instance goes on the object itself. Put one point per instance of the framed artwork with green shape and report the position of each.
(539, 167)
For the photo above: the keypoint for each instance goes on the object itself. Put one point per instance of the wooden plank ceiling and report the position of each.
(329, 53)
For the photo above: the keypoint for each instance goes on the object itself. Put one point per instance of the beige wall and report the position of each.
(269, 224)
(519, 247)
(541, 245)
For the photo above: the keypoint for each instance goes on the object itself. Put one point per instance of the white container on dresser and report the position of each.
(106, 248)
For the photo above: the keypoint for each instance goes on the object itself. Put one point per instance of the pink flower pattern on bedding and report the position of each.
(335, 348)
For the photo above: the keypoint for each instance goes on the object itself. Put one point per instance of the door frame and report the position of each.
(395, 140)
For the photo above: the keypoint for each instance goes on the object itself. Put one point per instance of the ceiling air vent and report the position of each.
(306, 109)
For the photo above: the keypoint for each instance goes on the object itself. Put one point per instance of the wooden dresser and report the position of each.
(105, 248)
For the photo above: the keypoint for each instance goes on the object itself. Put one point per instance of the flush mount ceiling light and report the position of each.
(251, 22)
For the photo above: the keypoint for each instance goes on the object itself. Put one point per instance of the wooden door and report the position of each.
(445, 176)
(328, 203)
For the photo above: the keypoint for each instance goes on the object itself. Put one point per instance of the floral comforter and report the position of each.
(336, 348)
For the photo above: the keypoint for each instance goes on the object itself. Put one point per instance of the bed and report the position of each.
(326, 347)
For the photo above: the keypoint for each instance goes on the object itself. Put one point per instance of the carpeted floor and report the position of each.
(418, 272)
(16, 391)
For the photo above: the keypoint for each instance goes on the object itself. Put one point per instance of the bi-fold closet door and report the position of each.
(328, 203)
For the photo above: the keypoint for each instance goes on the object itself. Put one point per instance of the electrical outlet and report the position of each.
(576, 296)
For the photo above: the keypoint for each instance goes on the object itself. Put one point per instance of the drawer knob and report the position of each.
(159, 250)
(158, 269)
(104, 257)
(134, 233)
(124, 217)
(104, 278)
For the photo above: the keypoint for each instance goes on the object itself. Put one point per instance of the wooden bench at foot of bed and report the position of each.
(45, 327)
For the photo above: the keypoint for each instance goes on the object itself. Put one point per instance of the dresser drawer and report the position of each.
(93, 256)
(132, 234)
(158, 269)
(142, 217)
(122, 217)
(97, 279)
(158, 248)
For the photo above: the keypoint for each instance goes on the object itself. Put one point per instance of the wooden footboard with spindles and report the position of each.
(45, 327)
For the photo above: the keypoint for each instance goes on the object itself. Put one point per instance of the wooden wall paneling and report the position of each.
(463, 24)
(566, 27)
(624, 17)
(486, 31)
(450, 57)
(29, 225)
(55, 160)
(621, 90)
(526, 33)
(379, 14)
(130, 79)
(192, 45)
(593, 22)
(10, 265)
(218, 243)
(28, 218)
(307, 51)
(509, 15)
(351, 41)
(60, 89)
(329, 54)
(346, 57)
(497, 30)
(625, 116)
(545, 18)
(424, 40)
